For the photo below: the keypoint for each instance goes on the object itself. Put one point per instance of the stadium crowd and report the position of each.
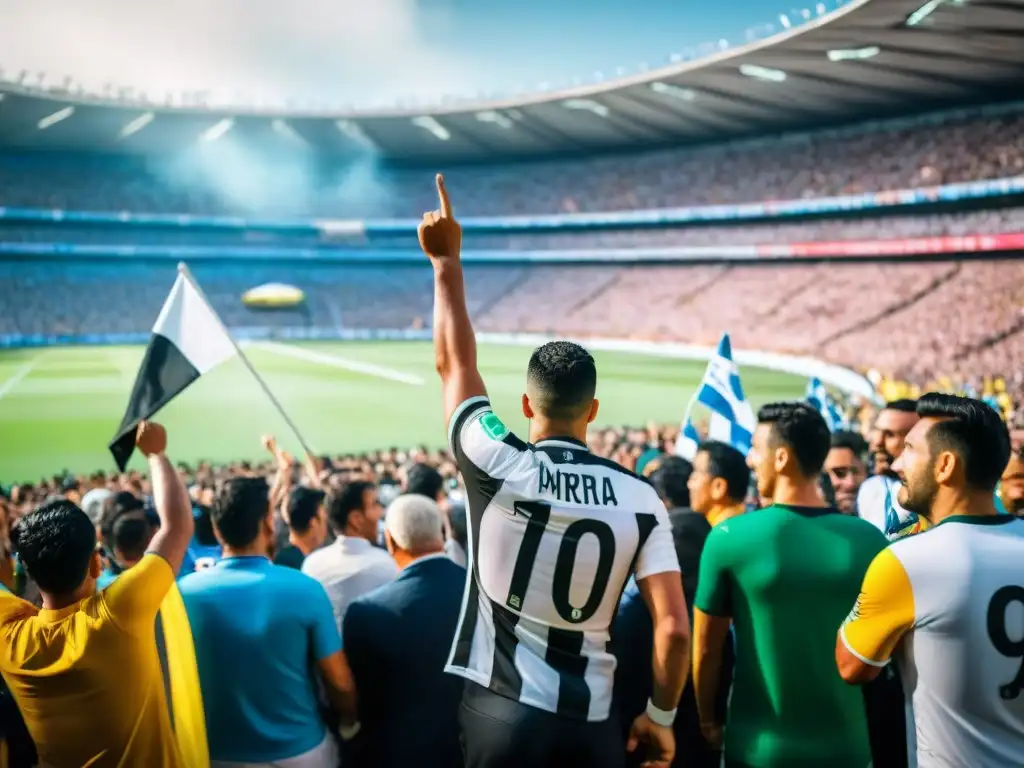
(321, 612)
(877, 157)
(954, 325)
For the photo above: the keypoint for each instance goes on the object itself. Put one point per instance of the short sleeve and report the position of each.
(658, 553)
(323, 629)
(714, 586)
(884, 611)
(480, 441)
(13, 607)
(134, 599)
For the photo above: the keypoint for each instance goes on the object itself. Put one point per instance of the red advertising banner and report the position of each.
(910, 246)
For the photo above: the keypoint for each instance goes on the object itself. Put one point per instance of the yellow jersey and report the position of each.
(88, 678)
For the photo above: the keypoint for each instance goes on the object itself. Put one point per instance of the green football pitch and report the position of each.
(59, 407)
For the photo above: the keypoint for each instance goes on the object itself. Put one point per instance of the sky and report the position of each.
(358, 51)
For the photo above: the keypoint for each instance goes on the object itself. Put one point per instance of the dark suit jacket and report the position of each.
(397, 639)
(633, 639)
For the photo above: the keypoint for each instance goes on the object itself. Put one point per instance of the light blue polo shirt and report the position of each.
(257, 627)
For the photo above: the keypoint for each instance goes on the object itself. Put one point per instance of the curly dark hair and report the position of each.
(56, 543)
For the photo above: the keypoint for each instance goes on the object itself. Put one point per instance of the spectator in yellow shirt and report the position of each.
(84, 670)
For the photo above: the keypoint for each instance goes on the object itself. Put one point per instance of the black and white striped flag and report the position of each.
(188, 340)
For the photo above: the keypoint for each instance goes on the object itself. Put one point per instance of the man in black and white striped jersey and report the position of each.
(554, 535)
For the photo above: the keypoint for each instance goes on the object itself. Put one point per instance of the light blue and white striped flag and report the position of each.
(818, 398)
(732, 418)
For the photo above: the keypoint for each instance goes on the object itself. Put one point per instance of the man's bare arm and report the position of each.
(454, 340)
(663, 594)
(340, 686)
(709, 635)
(170, 497)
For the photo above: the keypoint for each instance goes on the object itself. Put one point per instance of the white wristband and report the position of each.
(662, 717)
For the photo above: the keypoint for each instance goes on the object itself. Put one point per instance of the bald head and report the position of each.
(413, 525)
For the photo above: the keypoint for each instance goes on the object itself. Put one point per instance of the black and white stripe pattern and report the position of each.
(554, 535)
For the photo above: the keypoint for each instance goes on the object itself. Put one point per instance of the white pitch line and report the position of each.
(339, 362)
(19, 374)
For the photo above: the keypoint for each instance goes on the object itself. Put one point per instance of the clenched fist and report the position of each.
(151, 438)
(440, 234)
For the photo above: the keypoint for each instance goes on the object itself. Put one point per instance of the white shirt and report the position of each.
(554, 535)
(956, 593)
(348, 569)
(877, 504)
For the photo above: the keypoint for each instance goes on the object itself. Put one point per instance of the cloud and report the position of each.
(330, 51)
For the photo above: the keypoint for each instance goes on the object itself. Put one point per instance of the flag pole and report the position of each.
(184, 271)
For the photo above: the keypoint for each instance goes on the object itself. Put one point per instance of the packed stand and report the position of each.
(587, 598)
(872, 158)
(724, 234)
(890, 316)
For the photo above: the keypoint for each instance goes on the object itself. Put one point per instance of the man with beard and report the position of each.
(877, 499)
(846, 469)
(1011, 485)
(949, 606)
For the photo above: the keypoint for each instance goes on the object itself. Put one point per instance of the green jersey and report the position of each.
(788, 576)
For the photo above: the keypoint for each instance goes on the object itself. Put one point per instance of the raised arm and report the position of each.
(454, 340)
(170, 497)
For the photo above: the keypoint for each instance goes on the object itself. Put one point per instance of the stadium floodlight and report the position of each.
(767, 74)
(587, 105)
(56, 117)
(136, 125)
(217, 130)
(427, 123)
(281, 128)
(784, 21)
(497, 118)
(352, 131)
(923, 13)
(674, 91)
(854, 54)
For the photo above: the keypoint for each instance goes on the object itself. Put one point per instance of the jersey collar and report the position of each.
(996, 519)
(563, 442)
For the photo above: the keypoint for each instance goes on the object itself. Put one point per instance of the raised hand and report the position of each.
(439, 233)
(151, 438)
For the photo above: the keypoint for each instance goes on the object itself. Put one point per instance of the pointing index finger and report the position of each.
(442, 193)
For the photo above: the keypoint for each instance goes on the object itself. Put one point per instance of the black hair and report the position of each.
(303, 507)
(726, 462)
(803, 430)
(853, 441)
(563, 379)
(423, 480)
(241, 506)
(670, 480)
(131, 535)
(971, 429)
(204, 525)
(114, 507)
(56, 543)
(344, 500)
(904, 405)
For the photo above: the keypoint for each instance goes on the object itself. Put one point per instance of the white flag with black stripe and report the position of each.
(188, 340)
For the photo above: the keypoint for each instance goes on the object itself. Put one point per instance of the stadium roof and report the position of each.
(870, 59)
